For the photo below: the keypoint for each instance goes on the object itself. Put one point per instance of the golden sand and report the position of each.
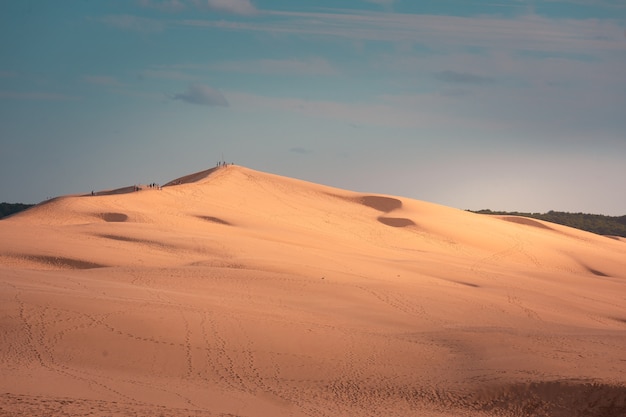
(233, 292)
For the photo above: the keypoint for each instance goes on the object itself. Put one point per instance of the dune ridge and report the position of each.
(237, 292)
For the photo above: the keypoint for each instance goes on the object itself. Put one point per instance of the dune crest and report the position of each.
(195, 177)
(237, 292)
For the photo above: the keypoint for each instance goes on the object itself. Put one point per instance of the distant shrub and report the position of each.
(6, 209)
(595, 223)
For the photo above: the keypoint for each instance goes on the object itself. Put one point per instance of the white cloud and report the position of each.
(202, 95)
(244, 7)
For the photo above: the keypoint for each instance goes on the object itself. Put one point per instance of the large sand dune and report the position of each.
(233, 292)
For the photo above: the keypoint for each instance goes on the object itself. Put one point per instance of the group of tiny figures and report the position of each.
(156, 186)
(152, 186)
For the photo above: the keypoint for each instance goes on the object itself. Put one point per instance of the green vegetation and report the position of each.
(595, 223)
(6, 209)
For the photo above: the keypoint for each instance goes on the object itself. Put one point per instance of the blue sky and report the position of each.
(500, 104)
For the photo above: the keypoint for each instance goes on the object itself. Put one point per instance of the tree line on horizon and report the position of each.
(595, 223)
(6, 209)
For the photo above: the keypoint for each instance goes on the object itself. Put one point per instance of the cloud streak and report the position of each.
(521, 33)
(243, 7)
(455, 77)
(36, 95)
(202, 95)
(163, 5)
(386, 111)
(300, 150)
(164, 74)
(102, 80)
(618, 4)
(134, 23)
(311, 66)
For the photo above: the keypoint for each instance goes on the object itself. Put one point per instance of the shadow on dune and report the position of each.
(214, 220)
(44, 405)
(121, 238)
(540, 399)
(536, 399)
(396, 221)
(154, 244)
(525, 221)
(195, 177)
(122, 190)
(467, 284)
(114, 217)
(554, 399)
(593, 271)
(596, 272)
(384, 204)
(60, 262)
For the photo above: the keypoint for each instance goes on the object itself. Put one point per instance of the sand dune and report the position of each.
(232, 292)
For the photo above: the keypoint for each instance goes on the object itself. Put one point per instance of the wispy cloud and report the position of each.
(147, 95)
(619, 4)
(386, 4)
(508, 70)
(383, 112)
(455, 77)
(8, 74)
(311, 66)
(102, 80)
(134, 23)
(163, 5)
(528, 32)
(203, 95)
(300, 150)
(36, 95)
(244, 7)
(500, 111)
(165, 74)
(314, 66)
(241, 7)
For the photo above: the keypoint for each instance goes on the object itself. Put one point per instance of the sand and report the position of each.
(233, 292)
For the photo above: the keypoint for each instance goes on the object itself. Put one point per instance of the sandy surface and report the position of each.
(233, 292)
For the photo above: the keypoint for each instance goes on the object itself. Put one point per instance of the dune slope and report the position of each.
(233, 292)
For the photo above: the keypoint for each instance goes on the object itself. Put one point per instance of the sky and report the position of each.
(515, 105)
